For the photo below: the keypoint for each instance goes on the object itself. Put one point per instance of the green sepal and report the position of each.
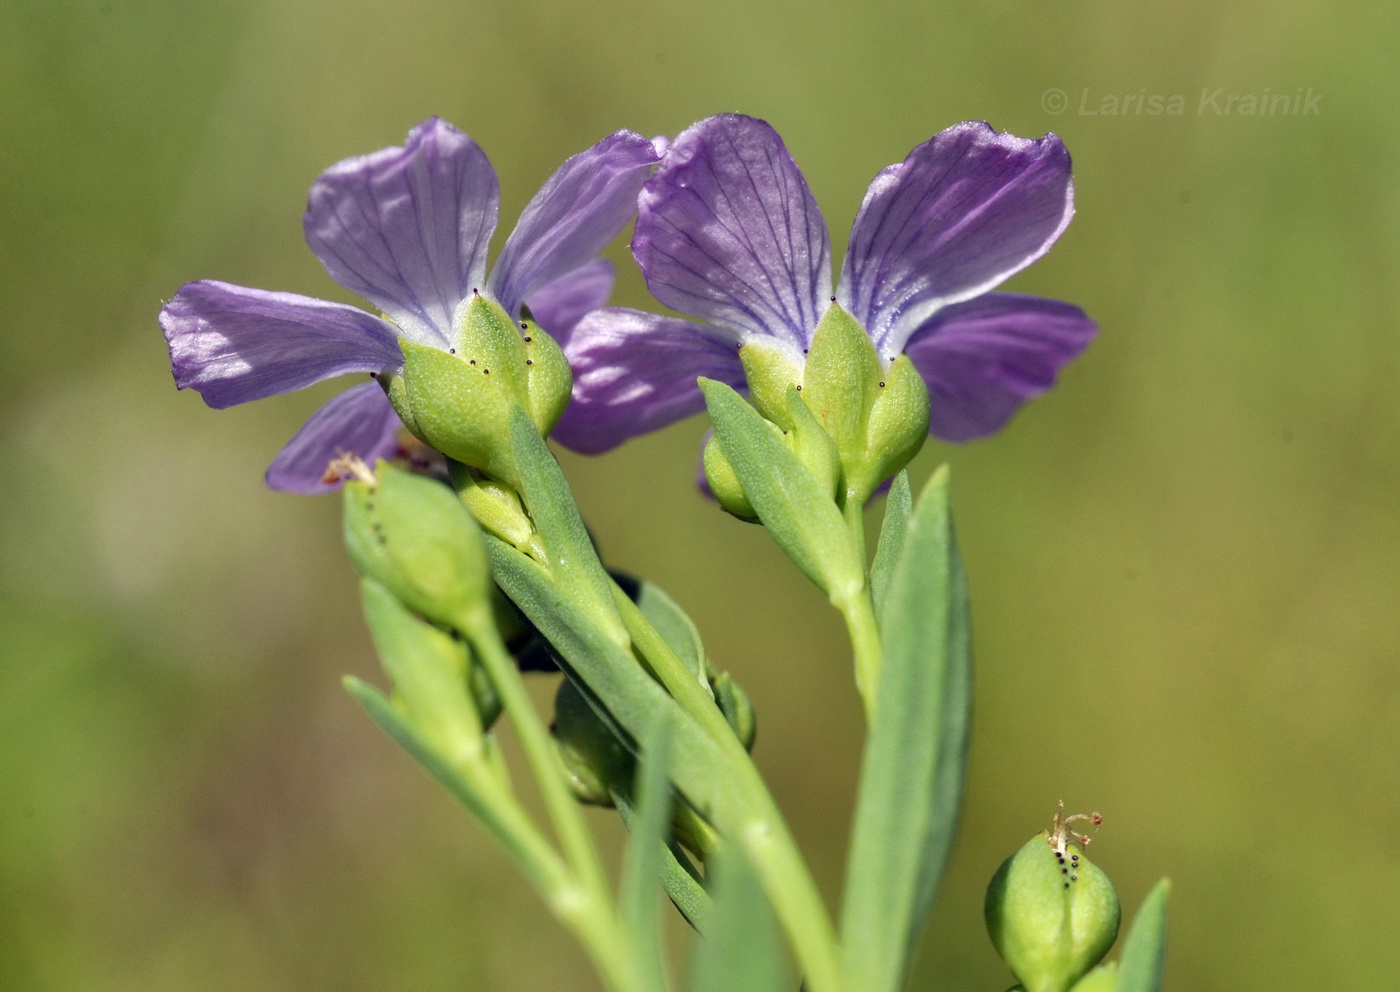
(457, 408)
(814, 447)
(795, 508)
(841, 381)
(1052, 918)
(412, 535)
(549, 379)
(1104, 978)
(896, 429)
(430, 672)
(770, 372)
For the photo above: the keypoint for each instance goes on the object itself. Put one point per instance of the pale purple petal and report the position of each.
(984, 358)
(233, 344)
(727, 231)
(359, 421)
(562, 304)
(578, 211)
(407, 228)
(962, 213)
(635, 372)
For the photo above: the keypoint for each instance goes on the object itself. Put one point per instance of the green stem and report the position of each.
(585, 903)
(858, 611)
(766, 836)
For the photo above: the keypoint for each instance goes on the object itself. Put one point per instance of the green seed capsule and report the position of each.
(1051, 913)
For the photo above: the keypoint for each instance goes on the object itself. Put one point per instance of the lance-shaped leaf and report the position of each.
(916, 754)
(794, 507)
(741, 949)
(642, 870)
(1144, 950)
(898, 505)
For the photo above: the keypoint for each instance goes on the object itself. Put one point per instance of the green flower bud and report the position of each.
(496, 507)
(734, 703)
(460, 401)
(595, 761)
(412, 535)
(1051, 913)
(724, 482)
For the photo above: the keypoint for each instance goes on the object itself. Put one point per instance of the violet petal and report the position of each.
(233, 344)
(984, 358)
(562, 304)
(359, 421)
(728, 231)
(578, 211)
(407, 228)
(635, 372)
(962, 213)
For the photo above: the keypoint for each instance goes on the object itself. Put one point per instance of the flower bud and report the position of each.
(724, 482)
(412, 535)
(738, 710)
(595, 761)
(1051, 913)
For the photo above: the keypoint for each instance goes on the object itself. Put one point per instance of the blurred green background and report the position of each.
(1184, 560)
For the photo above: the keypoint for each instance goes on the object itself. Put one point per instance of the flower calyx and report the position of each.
(1051, 913)
(459, 400)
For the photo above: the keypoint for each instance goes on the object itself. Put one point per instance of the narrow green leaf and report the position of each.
(1144, 951)
(672, 623)
(801, 516)
(642, 870)
(741, 949)
(610, 677)
(428, 669)
(916, 754)
(392, 722)
(898, 505)
(679, 877)
(546, 494)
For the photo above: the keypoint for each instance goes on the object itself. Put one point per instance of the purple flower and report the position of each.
(407, 229)
(728, 232)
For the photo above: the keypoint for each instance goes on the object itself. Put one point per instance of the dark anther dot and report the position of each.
(475, 291)
(529, 361)
(452, 351)
(473, 361)
(1074, 878)
(1064, 871)
(524, 327)
(799, 389)
(374, 375)
(833, 299)
(485, 371)
(882, 385)
(806, 350)
(1066, 885)
(528, 339)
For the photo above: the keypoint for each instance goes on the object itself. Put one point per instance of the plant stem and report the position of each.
(858, 611)
(585, 903)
